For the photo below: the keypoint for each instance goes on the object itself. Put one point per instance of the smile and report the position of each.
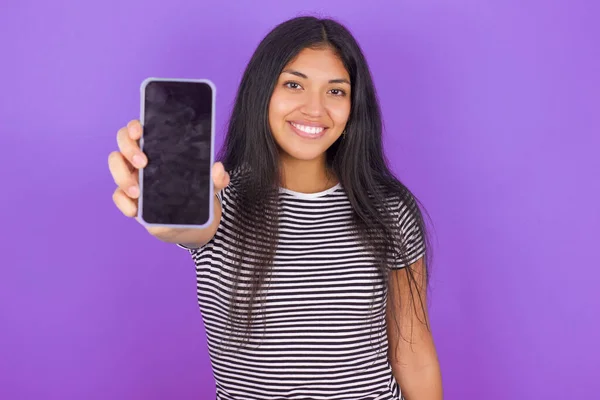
(312, 132)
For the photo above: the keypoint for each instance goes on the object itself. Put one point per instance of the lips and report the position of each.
(308, 130)
(313, 130)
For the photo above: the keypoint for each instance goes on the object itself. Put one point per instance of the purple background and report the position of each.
(492, 117)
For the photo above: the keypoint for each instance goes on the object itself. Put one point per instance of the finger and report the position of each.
(224, 182)
(159, 230)
(124, 203)
(220, 176)
(124, 175)
(130, 149)
(134, 129)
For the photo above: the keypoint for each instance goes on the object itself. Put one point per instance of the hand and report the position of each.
(124, 165)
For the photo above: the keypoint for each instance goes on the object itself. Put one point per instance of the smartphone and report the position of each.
(178, 121)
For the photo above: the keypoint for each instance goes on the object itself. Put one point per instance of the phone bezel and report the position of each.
(140, 216)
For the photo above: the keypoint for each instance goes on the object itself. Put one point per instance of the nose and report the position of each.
(313, 105)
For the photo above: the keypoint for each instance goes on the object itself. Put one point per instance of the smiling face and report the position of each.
(310, 105)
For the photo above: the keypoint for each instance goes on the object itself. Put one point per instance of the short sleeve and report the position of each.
(190, 248)
(412, 243)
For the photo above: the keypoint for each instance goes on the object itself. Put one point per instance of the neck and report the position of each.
(306, 176)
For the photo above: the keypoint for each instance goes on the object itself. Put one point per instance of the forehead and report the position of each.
(319, 64)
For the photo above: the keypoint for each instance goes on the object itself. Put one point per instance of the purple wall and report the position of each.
(492, 114)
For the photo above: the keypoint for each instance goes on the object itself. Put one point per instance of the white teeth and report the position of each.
(313, 130)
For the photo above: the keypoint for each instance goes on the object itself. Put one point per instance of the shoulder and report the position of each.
(409, 225)
(398, 199)
(404, 209)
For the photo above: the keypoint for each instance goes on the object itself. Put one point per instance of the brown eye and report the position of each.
(292, 85)
(337, 92)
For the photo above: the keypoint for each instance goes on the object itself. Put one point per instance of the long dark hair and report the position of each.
(357, 160)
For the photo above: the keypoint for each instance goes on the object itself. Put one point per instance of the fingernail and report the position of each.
(138, 160)
(133, 191)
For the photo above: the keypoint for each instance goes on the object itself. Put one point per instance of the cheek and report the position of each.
(279, 107)
(340, 113)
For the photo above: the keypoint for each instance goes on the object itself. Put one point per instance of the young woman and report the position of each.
(312, 279)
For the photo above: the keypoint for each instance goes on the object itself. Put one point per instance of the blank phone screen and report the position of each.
(177, 118)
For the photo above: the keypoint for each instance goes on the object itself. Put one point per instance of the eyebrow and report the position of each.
(301, 75)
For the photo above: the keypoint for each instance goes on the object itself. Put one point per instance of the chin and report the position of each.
(304, 155)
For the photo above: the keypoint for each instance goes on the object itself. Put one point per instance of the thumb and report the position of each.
(220, 176)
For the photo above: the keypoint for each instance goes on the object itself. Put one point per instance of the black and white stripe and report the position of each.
(324, 335)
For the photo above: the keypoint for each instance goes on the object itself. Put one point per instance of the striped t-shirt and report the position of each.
(322, 336)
